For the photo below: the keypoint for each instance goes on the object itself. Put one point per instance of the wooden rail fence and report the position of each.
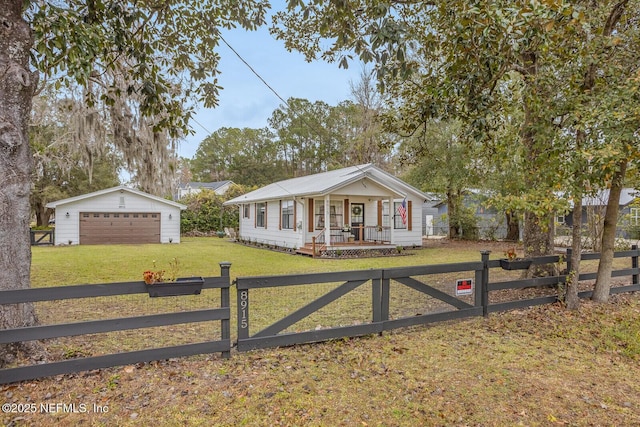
(22, 373)
(42, 237)
(464, 292)
(474, 302)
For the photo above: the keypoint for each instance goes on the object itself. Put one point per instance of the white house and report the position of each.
(116, 215)
(218, 187)
(358, 205)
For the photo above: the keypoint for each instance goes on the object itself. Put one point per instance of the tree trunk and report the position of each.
(603, 279)
(538, 241)
(571, 296)
(452, 208)
(595, 221)
(41, 212)
(538, 232)
(17, 85)
(513, 227)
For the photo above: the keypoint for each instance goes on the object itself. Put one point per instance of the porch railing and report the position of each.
(377, 234)
(318, 242)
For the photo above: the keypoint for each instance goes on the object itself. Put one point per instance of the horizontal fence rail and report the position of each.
(32, 333)
(379, 281)
(419, 280)
(350, 303)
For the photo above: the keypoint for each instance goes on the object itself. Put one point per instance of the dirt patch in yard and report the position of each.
(495, 247)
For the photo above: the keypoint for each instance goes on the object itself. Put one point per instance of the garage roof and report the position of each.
(120, 188)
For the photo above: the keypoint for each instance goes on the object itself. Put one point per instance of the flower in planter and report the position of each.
(151, 277)
(157, 276)
(511, 254)
(513, 262)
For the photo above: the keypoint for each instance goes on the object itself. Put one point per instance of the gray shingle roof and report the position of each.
(209, 185)
(627, 196)
(120, 188)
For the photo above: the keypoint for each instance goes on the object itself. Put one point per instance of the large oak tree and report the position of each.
(147, 61)
(451, 60)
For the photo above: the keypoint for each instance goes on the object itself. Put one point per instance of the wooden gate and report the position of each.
(346, 323)
(271, 336)
(42, 237)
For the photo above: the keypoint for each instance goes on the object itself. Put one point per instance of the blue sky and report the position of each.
(246, 102)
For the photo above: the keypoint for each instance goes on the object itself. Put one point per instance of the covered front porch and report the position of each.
(338, 218)
(355, 239)
(348, 250)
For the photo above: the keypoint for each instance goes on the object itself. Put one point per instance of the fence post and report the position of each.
(376, 298)
(484, 283)
(225, 302)
(568, 260)
(381, 298)
(478, 291)
(313, 246)
(634, 264)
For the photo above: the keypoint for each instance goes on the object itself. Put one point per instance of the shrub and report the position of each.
(206, 214)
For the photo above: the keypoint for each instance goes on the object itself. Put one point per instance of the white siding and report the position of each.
(68, 226)
(404, 237)
(359, 184)
(295, 238)
(271, 234)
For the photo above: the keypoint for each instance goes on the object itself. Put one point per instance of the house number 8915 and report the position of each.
(244, 302)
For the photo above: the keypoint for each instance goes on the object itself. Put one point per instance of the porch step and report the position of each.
(305, 250)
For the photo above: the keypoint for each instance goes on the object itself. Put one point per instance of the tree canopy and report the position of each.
(570, 68)
(145, 64)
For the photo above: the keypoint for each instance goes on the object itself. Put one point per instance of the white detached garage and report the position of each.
(117, 215)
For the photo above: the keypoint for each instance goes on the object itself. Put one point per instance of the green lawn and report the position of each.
(542, 366)
(55, 266)
(60, 266)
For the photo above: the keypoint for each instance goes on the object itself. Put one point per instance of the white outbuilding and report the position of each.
(117, 215)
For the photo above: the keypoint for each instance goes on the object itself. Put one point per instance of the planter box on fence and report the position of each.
(182, 286)
(516, 264)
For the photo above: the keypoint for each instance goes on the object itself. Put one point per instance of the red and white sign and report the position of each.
(464, 287)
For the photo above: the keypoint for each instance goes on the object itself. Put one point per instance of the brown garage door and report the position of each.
(111, 227)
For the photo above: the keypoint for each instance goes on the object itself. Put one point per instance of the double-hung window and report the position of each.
(635, 216)
(335, 214)
(261, 210)
(398, 222)
(395, 214)
(286, 214)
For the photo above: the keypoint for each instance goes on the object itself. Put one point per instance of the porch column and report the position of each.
(327, 220)
(392, 220)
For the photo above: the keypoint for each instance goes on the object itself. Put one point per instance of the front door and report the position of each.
(357, 220)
